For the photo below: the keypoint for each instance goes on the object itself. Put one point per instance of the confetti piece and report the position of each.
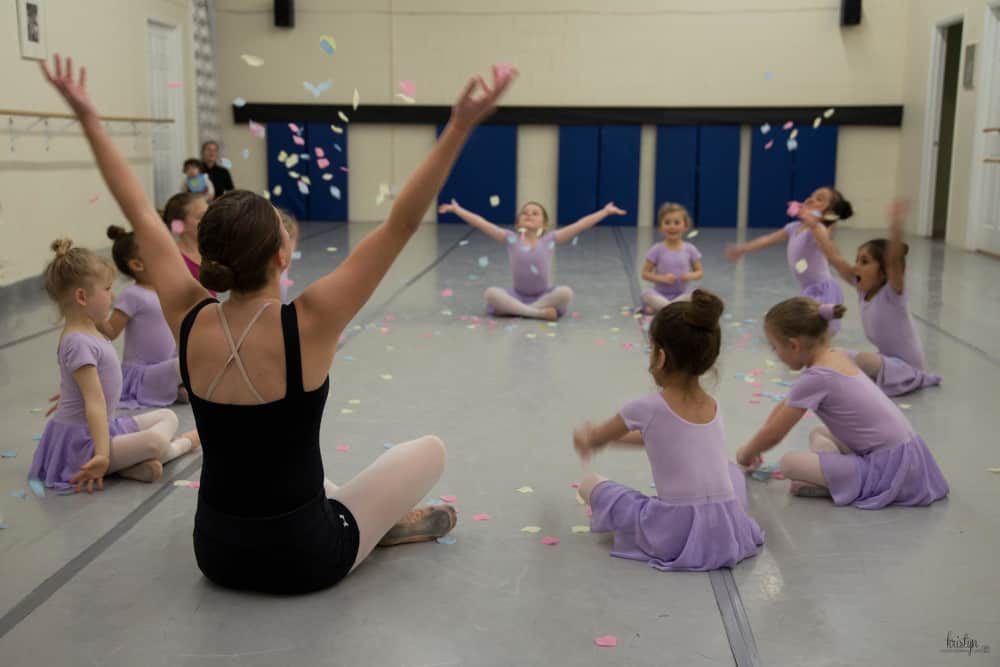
(550, 541)
(580, 529)
(768, 76)
(534, 269)
(530, 335)
(447, 292)
(769, 363)
(905, 406)
(484, 262)
(576, 239)
(37, 487)
(817, 121)
(801, 266)
(777, 474)
(343, 116)
(346, 411)
(788, 125)
(8, 455)
(994, 470)
(303, 188)
(356, 100)
(525, 489)
(793, 209)
(794, 134)
(335, 193)
(531, 529)
(494, 201)
(291, 161)
(22, 495)
(176, 227)
(256, 129)
(627, 346)
(297, 254)
(251, 60)
(693, 233)
(319, 88)
(406, 98)
(481, 517)
(287, 282)
(607, 641)
(337, 130)
(328, 44)
(449, 499)
(386, 376)
(447, 539)
(387, 445)
(245, 153)
(299, 141)
(765, 128)
(322, 163)
(768, 145)
(343, 448)
(408, 88)
(354, 401)
(239, 102)
(754, 401)
(828, 113)
(791, 144)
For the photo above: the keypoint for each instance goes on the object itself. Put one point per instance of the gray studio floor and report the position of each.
(111, 579)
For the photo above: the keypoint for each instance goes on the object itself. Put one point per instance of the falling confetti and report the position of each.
(905, 406)
(406, 98)
(801, 266)
(449, 499)
(607, 641)
(788, 125)
(828, 113)
(343, 116)
(343, 448)
(447, 539)
(768, 76)
(291, 160)
(768, 145)
(386, 376)
(481, 517)
(319, 88)
(245, 153)
(817, 121)
(256, 129)
(793, 209)
(550, 541)
(37, 487)
(576, 239)
(335, 193)
(322, 163)
(356, 100)
(8, 455)
(328, 44)
(239, 102)
(253, 61)
(299, 141)
(337, 130)
(794, 134)
(408, 88)
(346, 411)
(995, 471)
(447, 292)
(765, 128)
(531, 529)
(176, 227)
(693, 233)
(525, 489)
(580, 529)
(791, 144)
(494, 201)
(484, 262)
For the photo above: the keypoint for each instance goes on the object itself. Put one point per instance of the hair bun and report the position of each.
(61, 246)
(705, 310)
(115, 232)
(843, 209)
(216, 276)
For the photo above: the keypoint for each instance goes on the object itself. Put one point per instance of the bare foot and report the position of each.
(421, 525)
(550, 314)
(146, 471)
(807, 490)
(195, 439)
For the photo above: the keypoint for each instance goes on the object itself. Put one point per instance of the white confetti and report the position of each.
(801, 266)
(239, 102)
(251, 60)
(356, 100)
(494, 201)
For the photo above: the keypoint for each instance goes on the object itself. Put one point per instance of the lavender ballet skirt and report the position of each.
(676, 537)
(904, 474)
(526, 299)
(826, 291)
(64, 448)
(149, 385)
(896, 377)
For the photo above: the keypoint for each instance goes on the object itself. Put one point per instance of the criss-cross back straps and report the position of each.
(234, 352)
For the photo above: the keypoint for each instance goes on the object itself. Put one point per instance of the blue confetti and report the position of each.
(447, 539)
(245, 153)
(387, 445)
(435, 501)
(763, 473)
(19, 494)
(511, 240)
(8, 455)
(338, 148)
(534, 269)
(226, 163)
(741, 376)
(473, 276)
(297, 254)
(37, 487)
(576, 240)
(749, 320)
(768, 76)
(484, 262)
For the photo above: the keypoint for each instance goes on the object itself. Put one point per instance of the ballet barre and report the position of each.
(44, 117)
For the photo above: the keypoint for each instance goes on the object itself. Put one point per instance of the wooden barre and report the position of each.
(993, 160)
(69, 116)
(992, 129)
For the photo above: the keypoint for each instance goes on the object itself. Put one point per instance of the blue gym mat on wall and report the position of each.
(314, 200)
(486, 167)
(598, 165)
(698, 167)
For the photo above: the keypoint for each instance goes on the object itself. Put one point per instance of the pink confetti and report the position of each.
(607, 641)
(768, 145)
(590, 511)
(754, 401)
(628, 346)
(256, 129)
(174, 85)
(757, 371)
(481, 517)
(94, 199)
(177, 227)
(550, 541)
(294, 128)
(320, 152)
(793, 209)
(756, 384)
(451, 499)
(343, 448)
(286, 282)
(757, 393)
(299, 141)
(575, 485)
(777, 474)
(322, 163)
(408, 88)
(344, 169)
(446, 292)
(788, 125)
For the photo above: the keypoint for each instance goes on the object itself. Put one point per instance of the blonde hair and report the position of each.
(670, 207)
(801, 317)
(545, 214)
(73, 268)
(289, 221)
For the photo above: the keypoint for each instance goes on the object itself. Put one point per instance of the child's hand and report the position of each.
(91, 471)
(74, 92)
(611, 209)
(54, 400)
(669, 279)
(450, 207)
(469, 111)
(583, 440)
(734, 252)
(745, 459)
(896, 212)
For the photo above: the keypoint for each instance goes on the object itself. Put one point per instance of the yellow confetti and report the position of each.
(525, 489)
(343, 117)
(580, 529)
(801, 266)
(531, 529)
(294, 174)
(346, 411)
(494, 201)
(615, 329)
(327, 177)
(305, 179)
(530, 335)
(331, 249)
(905, 406)
(292, 160)
(794, 135)
(828, 113)
(356, 100)
(337, 130)
(276, 190)
(253, 61)
(354, 401)
(769, 363)
(266, 195)
(328, 44)
(693, 233)
(406, 98)
(386, 376)
(282, 156)
(994, 470)
(817, 122)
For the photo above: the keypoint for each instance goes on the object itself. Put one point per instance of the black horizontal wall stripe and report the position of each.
(879, 115)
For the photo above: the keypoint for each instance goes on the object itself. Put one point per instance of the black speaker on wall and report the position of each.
(284, 13)
(850, 12)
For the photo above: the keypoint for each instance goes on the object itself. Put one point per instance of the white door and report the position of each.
(988, 213)
(166, 100)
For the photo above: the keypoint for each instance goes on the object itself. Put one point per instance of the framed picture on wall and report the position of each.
(31, 28)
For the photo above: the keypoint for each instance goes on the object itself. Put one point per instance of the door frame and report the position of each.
(978, 202)
(179, 67)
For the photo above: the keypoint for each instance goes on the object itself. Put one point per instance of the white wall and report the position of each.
(570, 52)
(45, 194)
